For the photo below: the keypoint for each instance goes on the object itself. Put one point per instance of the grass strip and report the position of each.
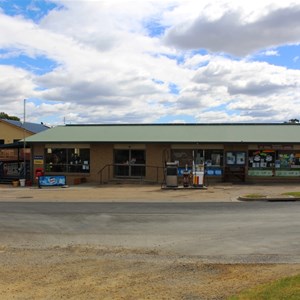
(284, 289)
(255, 196)
(294, 194)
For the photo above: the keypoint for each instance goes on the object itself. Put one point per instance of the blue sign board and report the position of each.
(213, 171)
(52, 180)
(182, 170)
(208, 171)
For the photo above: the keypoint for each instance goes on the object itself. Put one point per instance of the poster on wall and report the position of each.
(240, 158)
(235, 158)
(230, 158)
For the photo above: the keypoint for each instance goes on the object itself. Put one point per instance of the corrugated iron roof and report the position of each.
(32, 127)
(175, 133)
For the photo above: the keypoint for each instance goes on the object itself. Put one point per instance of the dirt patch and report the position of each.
(138, 193)
(79, 272)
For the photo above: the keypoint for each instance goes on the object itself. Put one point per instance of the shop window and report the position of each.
(287, 160)
(262, 159)
(130, 163)
(261, 162)
(183, 157)
(287, 163)
(274, 163)
(71, 160)
(212, 159)
(9, 154)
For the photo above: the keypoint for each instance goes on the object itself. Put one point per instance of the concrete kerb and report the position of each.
(270, 199)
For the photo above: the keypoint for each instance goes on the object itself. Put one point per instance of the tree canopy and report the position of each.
(4, 115)
(293, 121)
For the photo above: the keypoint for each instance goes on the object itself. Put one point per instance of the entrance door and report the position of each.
(235, 166)
(130, 163)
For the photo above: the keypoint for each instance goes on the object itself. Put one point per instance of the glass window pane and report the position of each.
(121, 156)
(72, 160)
(122, 170)
(138, 171)
(185, 157)
(138, 157)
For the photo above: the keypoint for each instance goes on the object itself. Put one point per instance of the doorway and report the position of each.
(129, 163)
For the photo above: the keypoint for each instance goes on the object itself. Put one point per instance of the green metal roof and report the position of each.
(175, 133)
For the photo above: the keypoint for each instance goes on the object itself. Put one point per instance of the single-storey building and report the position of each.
(229, 152)
(13, 154)
(12, 131)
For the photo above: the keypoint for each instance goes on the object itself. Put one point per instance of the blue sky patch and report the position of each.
(174, 89)
(177, 119)
(30, 9)
(158, 81)
(285, 56)
(38, 65)
(154, 28)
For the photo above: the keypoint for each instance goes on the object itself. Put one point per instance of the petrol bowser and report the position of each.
(171, 173)
(186, 177)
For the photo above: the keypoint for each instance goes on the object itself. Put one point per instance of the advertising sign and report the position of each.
(52, 180)
(287, 173)
(260, 172)
(38, 160)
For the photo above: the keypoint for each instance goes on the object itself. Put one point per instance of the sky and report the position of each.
(150, 61)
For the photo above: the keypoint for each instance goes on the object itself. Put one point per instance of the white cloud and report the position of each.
(236, 31)
(270, 53)
(108, 65)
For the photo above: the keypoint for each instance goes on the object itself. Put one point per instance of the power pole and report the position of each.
(24, 131)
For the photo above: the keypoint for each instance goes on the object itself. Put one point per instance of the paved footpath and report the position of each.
(140, 193)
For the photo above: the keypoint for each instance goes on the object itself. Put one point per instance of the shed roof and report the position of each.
(32, 127)
(175, 133)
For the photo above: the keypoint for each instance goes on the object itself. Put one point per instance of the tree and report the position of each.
(293, 121)
(4, 115)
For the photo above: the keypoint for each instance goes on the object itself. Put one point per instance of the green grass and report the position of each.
(284, 289)
(255, 196)
(294, 194)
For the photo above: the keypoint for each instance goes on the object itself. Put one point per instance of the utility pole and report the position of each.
(24, 131)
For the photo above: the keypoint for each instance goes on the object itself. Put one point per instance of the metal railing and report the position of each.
(111, 175)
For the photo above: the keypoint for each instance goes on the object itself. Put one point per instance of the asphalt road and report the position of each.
(215, 232)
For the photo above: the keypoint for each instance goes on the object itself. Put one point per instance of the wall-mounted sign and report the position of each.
(260, 173)
(38, 159)
(276, 147)
(287, 173)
